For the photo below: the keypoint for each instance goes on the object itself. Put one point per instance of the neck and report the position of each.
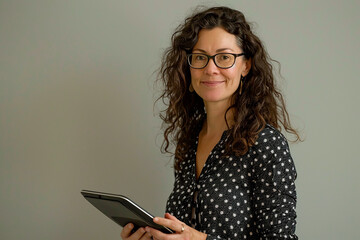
(215, 121)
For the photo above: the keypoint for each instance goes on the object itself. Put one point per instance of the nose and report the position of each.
(211, 68)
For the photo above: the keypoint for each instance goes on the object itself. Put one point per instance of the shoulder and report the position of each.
(271, 156)
(270, 141)
(271, 136)
(271, 147)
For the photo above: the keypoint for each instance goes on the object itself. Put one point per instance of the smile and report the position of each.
(211, 83)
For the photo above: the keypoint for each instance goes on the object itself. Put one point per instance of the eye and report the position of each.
(199, 57)
(224, 57)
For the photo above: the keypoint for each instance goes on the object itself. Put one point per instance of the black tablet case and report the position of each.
(122, 210)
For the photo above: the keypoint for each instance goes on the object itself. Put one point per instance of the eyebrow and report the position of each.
(217, 51)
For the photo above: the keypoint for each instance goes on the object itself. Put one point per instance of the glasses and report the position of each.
(221, 60)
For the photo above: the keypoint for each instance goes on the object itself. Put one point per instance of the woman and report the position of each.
(234, 175)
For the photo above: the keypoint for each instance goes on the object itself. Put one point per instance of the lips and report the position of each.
(212, 83)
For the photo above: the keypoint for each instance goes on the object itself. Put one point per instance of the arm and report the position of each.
(272, 188)
(274, 195)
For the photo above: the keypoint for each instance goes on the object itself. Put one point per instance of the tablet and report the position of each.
(122, 210)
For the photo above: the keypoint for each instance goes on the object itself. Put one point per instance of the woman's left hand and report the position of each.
(182, 231)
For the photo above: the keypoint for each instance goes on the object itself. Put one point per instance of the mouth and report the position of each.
(211, 83)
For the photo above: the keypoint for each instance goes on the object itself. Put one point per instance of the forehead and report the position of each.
(210, 40)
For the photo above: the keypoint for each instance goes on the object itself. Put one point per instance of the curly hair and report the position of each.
(259, 104)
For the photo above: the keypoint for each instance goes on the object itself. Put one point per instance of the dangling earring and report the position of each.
(191, 89)
(241, 84)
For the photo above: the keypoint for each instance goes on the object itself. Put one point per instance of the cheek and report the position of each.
(194, 75)
(238, 72)
(233, 75)
(191, 73)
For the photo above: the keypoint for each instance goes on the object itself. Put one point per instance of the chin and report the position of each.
(214, 97)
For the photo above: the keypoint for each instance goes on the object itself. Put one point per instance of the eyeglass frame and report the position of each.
(213, 58)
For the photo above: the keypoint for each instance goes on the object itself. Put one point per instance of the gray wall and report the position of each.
(76, 109)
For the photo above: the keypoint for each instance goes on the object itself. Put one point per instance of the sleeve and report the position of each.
(274, 193)
(210, 237)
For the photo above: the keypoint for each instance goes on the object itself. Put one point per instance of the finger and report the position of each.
(146, 236)
(171, 217)
(126, 232)
(175, 225)
(158, 234)
(138, 234)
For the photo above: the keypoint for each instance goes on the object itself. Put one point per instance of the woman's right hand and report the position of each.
(140, 234)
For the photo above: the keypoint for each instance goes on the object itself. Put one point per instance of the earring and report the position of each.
(241, 84)
(191, 89)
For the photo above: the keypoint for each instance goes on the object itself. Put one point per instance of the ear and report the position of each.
(247, 68)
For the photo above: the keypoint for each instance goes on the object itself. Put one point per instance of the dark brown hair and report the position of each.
(259, 104)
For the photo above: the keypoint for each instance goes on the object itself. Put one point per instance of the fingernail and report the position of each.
(156, 219)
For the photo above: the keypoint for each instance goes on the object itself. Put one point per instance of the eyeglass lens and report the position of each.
(222, 60)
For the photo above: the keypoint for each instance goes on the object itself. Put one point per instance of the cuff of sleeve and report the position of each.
(211, 237)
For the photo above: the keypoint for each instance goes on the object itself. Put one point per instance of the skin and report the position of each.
(215, 86)
(140, 234)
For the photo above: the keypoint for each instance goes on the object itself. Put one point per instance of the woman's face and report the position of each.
(211, 83)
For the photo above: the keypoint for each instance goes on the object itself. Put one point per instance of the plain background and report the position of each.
(76, 109)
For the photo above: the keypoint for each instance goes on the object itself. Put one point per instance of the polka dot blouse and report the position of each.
(247, 197)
